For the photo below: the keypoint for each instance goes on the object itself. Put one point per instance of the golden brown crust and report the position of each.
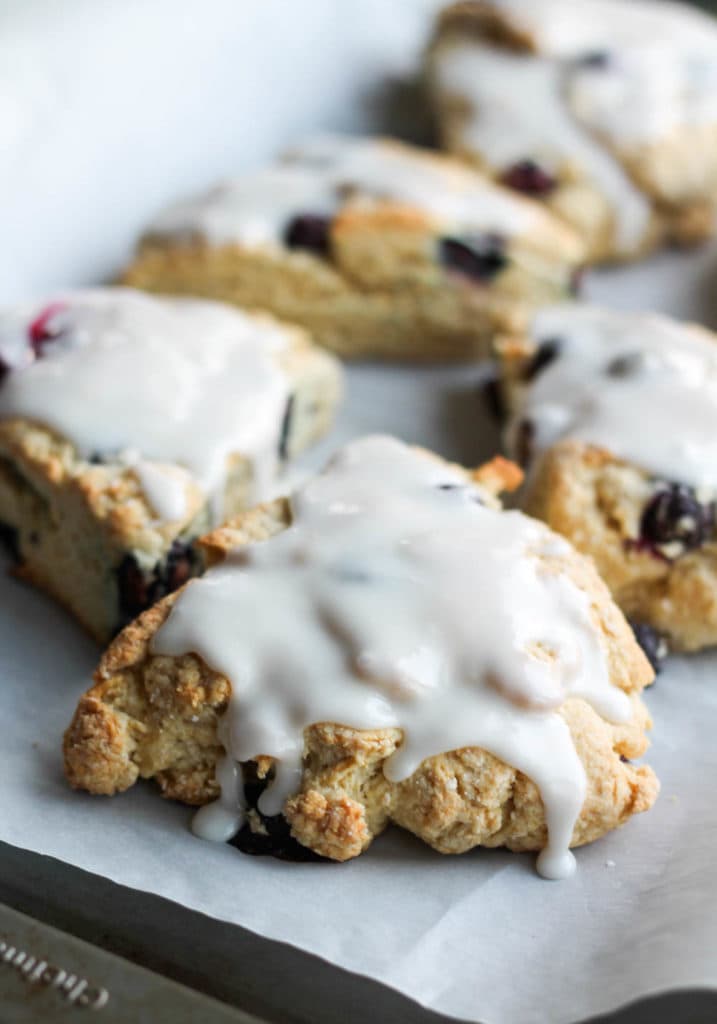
(154, 716)
(596, 500)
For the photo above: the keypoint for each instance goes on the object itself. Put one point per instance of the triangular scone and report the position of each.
(370, 592)
(377, 247)
(130, 424)
(614, 416)
(603, 109)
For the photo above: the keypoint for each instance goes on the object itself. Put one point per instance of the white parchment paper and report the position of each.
(481, 936)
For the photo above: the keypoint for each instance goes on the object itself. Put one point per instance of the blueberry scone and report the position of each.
(378, 248)
(615, 416)
(606, 110)
(396, 649)
(130, 425)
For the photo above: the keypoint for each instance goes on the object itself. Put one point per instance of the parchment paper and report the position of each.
(481, 936)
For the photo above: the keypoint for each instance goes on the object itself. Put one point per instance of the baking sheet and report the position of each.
(481, 936)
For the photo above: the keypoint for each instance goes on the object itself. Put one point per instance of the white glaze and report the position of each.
(172, 387)
(661, 74)
(661, 417)
(321, 175)
(390, 602)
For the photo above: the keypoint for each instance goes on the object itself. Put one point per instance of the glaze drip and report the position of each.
(397, 598)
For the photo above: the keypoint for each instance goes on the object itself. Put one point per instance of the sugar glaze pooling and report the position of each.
(170, 387)
(398, 599)
(653, 70)
(639, 385)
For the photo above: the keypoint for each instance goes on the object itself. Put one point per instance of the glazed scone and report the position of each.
(129, 425)
(615, 414)
(397, 648)
(604, 109)
(378, 248)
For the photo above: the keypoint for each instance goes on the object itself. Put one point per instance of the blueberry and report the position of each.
(285, 429)
(479, 257)
(309, 231)
(4, 369)
(597, 59)
(140, 589)
(277, 841)
(179, 566)
(135, 588)
(524, 439)
(653, 644)
(674, 516)
(528, 177)
(546, 353)
(626, 365)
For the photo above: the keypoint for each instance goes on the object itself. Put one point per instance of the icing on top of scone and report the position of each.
(171, 387)
(641, 386)
(399, 598)
(605, 74)
(325, 173)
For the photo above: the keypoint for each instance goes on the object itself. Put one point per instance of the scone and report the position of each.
(129, 425)
(615, 416)
(606, 110)
(378, 248)
(396, 649)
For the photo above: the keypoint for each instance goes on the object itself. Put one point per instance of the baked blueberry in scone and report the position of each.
(615, 417)
(396, 649)
(605, 110)
(378, 248)
(129, 425)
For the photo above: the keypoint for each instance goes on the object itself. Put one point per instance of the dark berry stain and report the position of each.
(653, 644)
(10, 541)
(529, 177)
(309, 231)
(675, 516)
(546, 353)
(278, 841)
(41, 330)
(479, 257)
(286, 429)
